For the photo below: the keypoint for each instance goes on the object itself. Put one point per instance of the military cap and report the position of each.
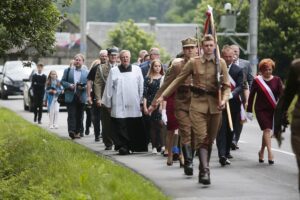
(189, 42)
(113, 51)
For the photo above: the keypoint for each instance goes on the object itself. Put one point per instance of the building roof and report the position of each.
(168, 36)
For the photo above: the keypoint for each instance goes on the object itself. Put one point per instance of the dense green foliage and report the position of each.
(35, 164)
(29, 23)
(129, 36)
(279, 32)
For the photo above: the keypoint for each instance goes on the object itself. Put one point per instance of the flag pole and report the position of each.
(217, 55)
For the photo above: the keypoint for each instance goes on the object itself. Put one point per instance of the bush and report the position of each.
(37, 165)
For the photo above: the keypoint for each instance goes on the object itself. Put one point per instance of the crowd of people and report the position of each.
(180, 108)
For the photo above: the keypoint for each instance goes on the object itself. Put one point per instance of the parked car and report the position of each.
(11, 79)
(1, 73)
(28, 94)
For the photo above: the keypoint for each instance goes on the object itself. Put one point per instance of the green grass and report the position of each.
(35, 164)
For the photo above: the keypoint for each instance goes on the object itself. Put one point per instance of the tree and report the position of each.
(29, 23)
(279, 31)
(182, 11)
(129, 36)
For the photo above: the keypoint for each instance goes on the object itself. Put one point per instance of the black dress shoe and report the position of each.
(123, 151)
(71, 134)
(87, 132)
(271, 162)
(222, 160)
(159, 149)
(108, 148)
(188, 169)
(233, 146)
(97, 139)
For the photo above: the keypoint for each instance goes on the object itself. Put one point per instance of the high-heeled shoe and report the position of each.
(271, 162)
(259, 159)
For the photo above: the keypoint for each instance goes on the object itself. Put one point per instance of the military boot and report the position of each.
(204, 174)
(188, 159)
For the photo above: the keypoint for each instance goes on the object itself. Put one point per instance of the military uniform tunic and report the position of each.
(204, 113)
(182, 99)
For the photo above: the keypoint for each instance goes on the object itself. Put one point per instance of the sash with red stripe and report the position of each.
(243, 112)
(266, 90)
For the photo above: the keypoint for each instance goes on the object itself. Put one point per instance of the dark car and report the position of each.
(28, 95)
(1, 73)
(11, 79)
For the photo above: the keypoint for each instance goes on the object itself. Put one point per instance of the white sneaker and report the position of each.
(55, 126)
(154, 150)
(51, 127)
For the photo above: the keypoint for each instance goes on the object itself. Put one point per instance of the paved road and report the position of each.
(244, 179)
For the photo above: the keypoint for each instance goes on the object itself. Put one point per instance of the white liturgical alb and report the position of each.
(123, 92)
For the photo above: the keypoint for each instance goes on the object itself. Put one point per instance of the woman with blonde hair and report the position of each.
(53, 89)
(268, 89)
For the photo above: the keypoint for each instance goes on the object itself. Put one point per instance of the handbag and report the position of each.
(61, 96)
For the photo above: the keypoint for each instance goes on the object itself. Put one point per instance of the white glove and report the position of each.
(250, 116)
(164, 116)
(230, 95)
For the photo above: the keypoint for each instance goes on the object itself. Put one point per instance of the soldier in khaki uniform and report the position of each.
(205, 108)
(292, 89)
(182, 101)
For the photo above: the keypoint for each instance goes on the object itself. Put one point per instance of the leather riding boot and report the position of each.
(204, 175)
(188, 159)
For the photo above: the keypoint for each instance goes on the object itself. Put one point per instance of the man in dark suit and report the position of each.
(247, 82)
(225, 135)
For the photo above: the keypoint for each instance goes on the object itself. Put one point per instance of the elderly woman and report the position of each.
(268, 89)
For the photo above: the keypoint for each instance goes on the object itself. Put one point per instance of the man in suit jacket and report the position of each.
(225, 135)
(247, 82)
(74, 81)
(99, 85)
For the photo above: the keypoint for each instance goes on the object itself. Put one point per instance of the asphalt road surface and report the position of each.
(244, 179)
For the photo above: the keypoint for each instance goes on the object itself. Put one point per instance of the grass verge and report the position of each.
(37, 165)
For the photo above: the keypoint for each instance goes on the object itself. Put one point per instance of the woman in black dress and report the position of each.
(151, 86)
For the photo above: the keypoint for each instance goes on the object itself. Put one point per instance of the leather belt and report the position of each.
(183, 89)
(201, 91)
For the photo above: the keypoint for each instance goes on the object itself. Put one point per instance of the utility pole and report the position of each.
(83, 46)
(253, 27)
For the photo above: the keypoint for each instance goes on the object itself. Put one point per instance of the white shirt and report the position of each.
(77, 75)
(123, 92)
